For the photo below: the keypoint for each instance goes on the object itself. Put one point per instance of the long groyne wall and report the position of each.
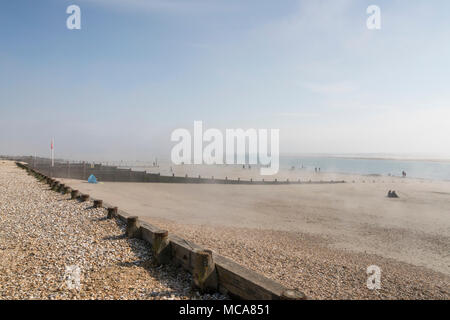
(83, 170)
(210, 271)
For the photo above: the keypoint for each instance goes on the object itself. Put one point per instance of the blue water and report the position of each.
(416, 169)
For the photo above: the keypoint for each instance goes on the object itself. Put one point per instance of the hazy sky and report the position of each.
(138, 69)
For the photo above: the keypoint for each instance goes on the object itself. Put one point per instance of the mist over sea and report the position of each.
(422, 169)
(425, 169)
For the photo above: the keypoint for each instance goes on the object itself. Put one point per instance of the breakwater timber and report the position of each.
(211, 272)
(55, 248)
(82, 171)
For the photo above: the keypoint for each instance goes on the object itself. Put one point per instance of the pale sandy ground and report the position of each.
(349, 225)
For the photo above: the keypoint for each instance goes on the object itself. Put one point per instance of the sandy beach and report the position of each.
(319, 238)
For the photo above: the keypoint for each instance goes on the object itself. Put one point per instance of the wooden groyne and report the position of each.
(211, 272)
(82, 171)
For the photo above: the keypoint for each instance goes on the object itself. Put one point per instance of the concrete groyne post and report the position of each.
(204, 274)
(98, 203)
(160, 246)
(112, 212)
(133, 229)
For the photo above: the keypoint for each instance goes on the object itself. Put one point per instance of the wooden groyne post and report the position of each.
(204, 274)
(133, 230)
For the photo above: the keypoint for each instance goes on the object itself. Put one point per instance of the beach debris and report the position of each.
(92, 179)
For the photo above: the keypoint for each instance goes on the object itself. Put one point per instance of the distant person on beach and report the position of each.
(392, 194)
(404, 174)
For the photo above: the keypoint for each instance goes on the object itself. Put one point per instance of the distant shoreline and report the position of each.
(446, 160)
(394, 159)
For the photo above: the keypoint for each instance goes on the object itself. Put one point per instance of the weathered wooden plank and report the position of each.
(147, 232)
(123, 216)
(244, 283)
(183, 252)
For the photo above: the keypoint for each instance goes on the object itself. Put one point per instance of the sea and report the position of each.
(421, 169)
(425, 169)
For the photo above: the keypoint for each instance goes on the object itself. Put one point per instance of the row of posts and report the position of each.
(205, 276)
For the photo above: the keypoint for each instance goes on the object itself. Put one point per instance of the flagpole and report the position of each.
(53, 153)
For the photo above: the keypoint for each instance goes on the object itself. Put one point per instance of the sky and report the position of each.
(139, 69)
